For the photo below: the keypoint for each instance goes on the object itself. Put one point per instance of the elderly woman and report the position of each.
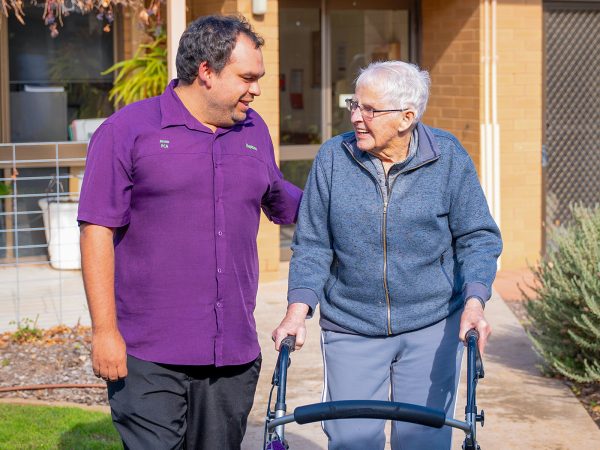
(396, 244)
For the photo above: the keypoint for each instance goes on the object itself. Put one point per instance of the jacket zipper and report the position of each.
(384, 239)
(384, 234)
(384, 227)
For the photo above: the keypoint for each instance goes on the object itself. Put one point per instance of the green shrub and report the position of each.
(565, 314)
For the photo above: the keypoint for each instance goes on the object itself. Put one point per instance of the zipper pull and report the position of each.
(385, 207)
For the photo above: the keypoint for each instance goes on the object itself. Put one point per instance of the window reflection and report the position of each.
(357, 39)
(299, 76)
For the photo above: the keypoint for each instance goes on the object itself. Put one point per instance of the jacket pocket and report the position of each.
(333, 279)
(445, 272)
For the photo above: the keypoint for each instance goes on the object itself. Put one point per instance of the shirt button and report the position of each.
(220, 233)
(220, 270)
(219, 304)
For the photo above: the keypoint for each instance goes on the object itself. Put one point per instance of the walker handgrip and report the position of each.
(369, 409)
(472, 338)
(472, 332)
(290, 342)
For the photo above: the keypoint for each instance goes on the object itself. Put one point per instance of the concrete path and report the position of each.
(523, 409)
(42, 294)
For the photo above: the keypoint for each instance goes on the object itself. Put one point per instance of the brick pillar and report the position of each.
(451, 54)
(520, 108)
(267, 106)
(197, 8)
(452, 51)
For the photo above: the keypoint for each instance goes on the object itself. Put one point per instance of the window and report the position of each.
(62, 73)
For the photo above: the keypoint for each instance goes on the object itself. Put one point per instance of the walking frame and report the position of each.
(274, 435)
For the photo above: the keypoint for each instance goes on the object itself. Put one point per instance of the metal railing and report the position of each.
(39, 236)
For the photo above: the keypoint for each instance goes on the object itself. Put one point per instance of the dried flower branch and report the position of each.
(55, 10)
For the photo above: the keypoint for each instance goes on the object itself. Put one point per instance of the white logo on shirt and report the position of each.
(164, 143)
(251, 147)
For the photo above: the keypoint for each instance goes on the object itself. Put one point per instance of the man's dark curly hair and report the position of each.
(210, 39)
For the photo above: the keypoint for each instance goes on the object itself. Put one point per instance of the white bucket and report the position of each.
(62, 233)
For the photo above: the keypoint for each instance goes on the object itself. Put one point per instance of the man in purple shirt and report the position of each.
(169, 213)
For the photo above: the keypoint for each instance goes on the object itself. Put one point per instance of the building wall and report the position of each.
(130, 35)
(520, 108)
(452, 50)
(197, 8)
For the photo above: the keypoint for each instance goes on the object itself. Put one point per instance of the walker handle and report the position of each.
(471, 338)
(370, 409)
(290, 342)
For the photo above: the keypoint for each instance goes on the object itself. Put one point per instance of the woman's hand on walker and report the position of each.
(473, 317)
(293, 324)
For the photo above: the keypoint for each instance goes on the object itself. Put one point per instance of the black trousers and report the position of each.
(160, 406)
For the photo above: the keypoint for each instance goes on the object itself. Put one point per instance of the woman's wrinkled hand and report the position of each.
(473, 317)
(293, 324)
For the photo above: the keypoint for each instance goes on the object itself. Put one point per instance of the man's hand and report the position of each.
(109, 357)
(472, 317)
(293, 324)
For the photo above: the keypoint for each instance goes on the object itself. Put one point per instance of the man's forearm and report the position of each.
(98, 269)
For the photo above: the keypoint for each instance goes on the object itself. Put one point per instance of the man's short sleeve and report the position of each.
(107, 182)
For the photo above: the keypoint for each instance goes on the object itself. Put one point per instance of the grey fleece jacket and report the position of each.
(378, 268)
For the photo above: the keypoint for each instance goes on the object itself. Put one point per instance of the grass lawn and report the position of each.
(49, 427)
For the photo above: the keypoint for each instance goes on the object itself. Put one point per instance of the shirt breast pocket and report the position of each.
(245, 174)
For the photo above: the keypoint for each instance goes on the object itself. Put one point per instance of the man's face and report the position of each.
(236, 85)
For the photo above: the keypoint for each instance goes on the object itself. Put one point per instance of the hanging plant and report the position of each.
(55, 10)
(143, 76)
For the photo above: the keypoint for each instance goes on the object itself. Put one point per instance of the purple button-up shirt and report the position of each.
(186, 203)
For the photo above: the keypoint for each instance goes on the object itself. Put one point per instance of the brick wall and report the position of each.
(451, 54)
(197, 8)
(520, 107)
(132, 34)
(452, 50)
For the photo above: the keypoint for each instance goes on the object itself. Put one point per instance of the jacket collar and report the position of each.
(427, 151)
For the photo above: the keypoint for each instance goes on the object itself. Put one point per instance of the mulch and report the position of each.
(57, 356)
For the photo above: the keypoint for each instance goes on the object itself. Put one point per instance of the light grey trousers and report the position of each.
(420, 367)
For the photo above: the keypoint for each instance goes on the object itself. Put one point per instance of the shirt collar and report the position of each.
(174, 113)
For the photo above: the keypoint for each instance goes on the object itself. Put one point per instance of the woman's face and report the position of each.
(382, 132)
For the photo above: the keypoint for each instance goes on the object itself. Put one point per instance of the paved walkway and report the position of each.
(523, 409)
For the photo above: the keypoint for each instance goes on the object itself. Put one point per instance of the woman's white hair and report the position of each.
(403, 85)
